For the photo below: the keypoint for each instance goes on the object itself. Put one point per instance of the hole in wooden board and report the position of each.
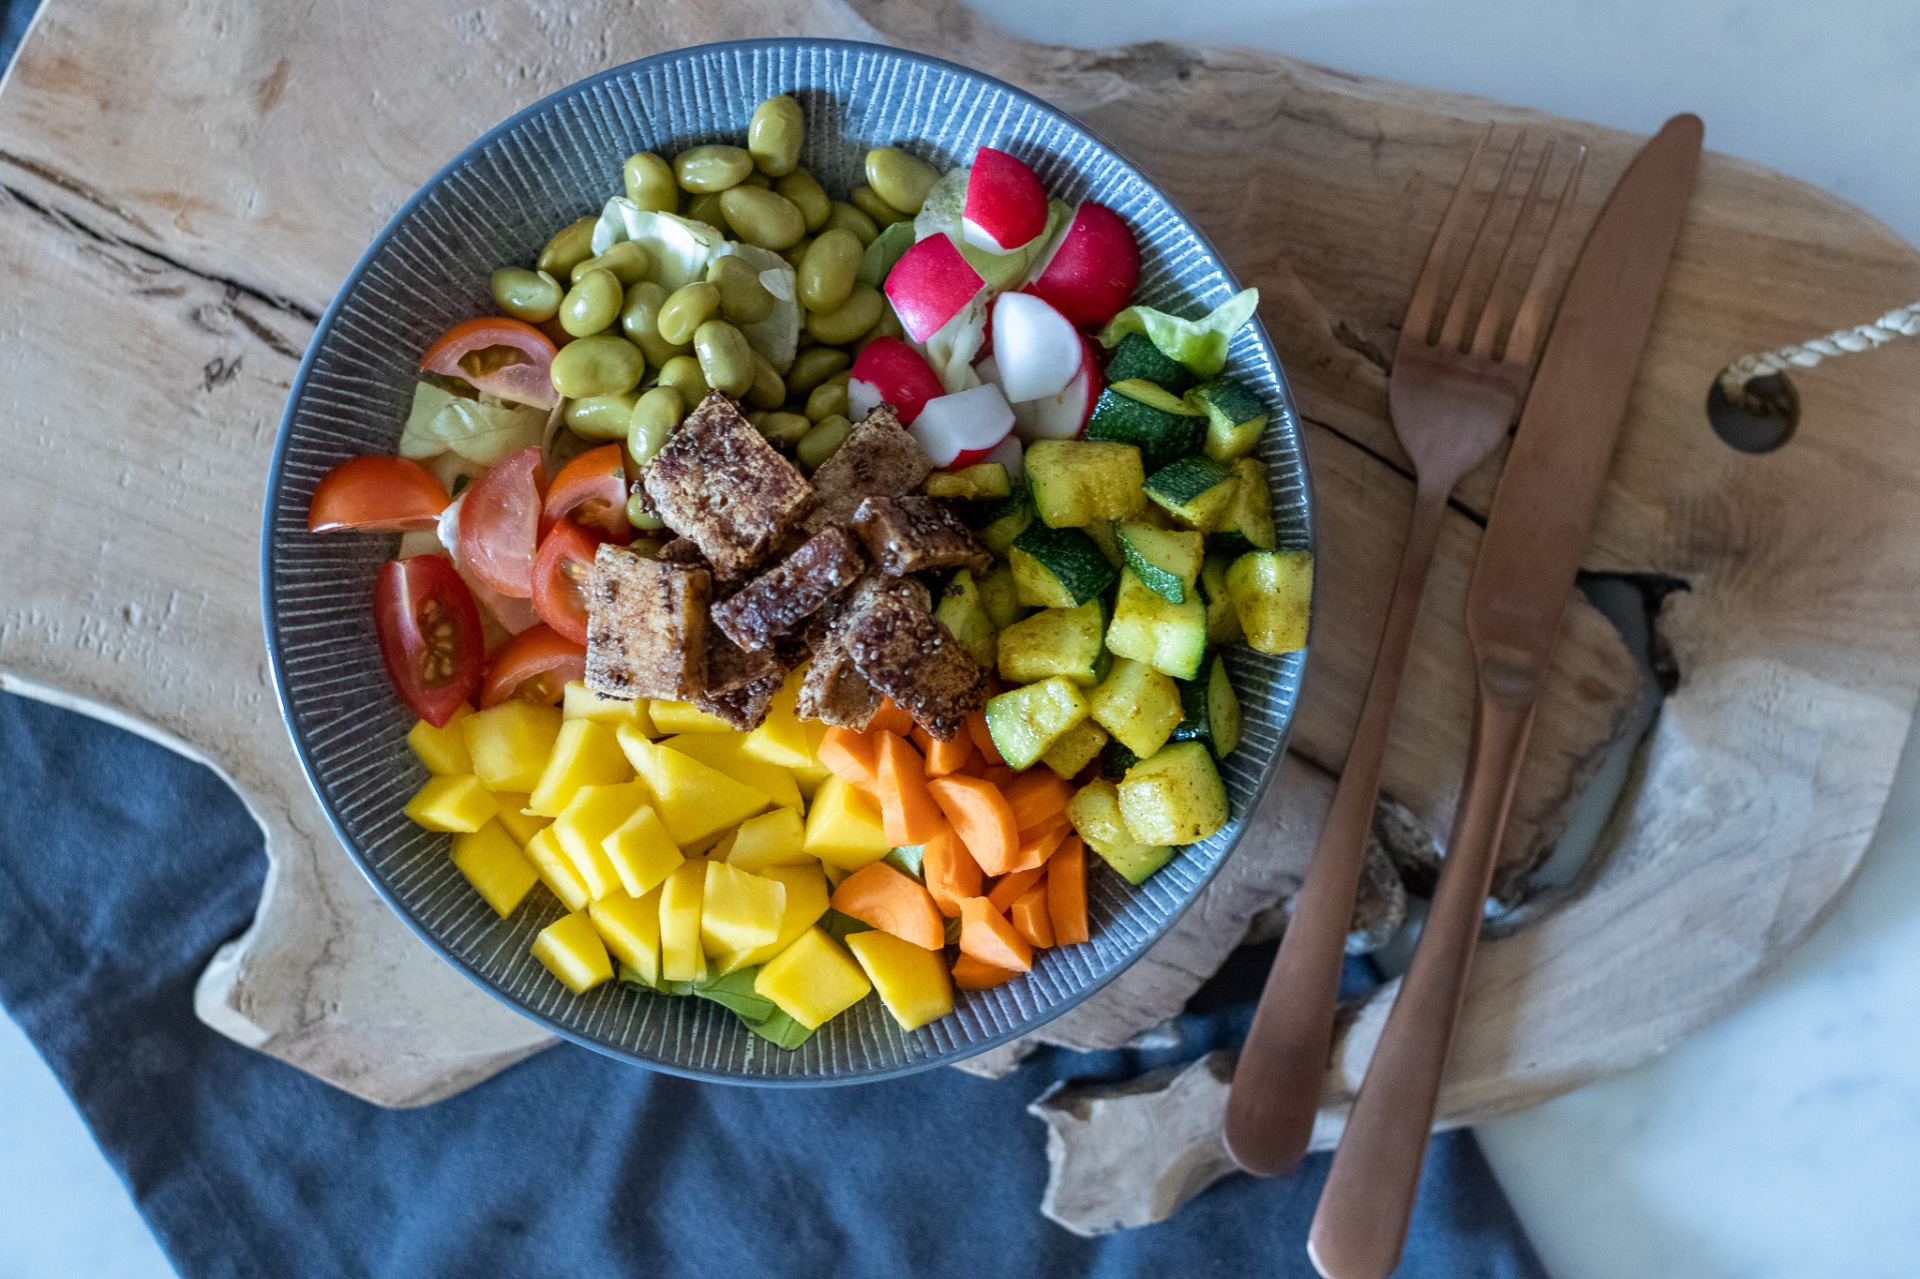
(1761, 420)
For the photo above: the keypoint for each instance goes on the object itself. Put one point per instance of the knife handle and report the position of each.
(1360, 1226)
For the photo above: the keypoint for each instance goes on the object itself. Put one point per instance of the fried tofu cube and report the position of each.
(571, 949)
(646, 626)
(916, 535)
(743, 709)
(719, 484)
(880, 459)
(784, 597)
(908, 654)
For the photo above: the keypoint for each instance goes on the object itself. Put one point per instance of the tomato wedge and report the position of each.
(592, 491)
(503, 357)
(430, 637)
(535, 665)
(500, 522)
(376, 495)
(560, 579)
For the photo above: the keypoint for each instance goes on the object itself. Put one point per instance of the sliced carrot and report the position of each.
(1007, 891)
(981, 818)
(988, 937)
(1067, 892)
(890, 719)
(943, 757)
(982, 739)
(970, 974)
(950, 871)
(892, 902)
(1030, 918)
(850, 757)
(1036, 846)
(998, 775)
(907, 811)
(1037, 796)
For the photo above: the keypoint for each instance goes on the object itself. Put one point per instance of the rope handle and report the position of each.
(1902, 322)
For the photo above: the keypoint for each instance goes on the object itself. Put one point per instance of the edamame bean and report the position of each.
(887, 326)
(827, 400)
(682, 373)
(650, 183)
(848, 218)
(601, 417)
(852, 318)
(757, 179)
(629, 262)
(882, 213)
(828, 272)
(640, 513)
(808, 195)
(821, 443)
(592, 304)
(813, 366)
(784, 428)
(653, 419)
(570, 246)
(686, 309)
(775, 134)
(711, 168)
(706, 208)
(763, 218)
(743, 299)
(798, 253)
(902, 180)
(726, 361)
(599, 365)
(532, 296)
(640, 321)
(769, 389)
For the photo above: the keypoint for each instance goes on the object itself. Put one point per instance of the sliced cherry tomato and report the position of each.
(430, 637)
(507, 358)
(535, 665)
(592, 491)
(500, 522)
(376, 495)
(560, 579)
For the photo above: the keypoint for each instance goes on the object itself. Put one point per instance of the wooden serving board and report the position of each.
(183, 187)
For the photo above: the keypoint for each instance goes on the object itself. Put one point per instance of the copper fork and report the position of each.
(1453, 397)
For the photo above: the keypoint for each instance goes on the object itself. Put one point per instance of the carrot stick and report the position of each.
(1037, 796)
(943, 757)
(892, 902)
(950, 871)
(1067, 892)
(1030, 918)
(998, 775)
(1008, 890)
(970, 974)
(1036, 846)
(988, 937)
(981, 818)
(907, 810)
(982, 739)
(890, 719)
(850, 757)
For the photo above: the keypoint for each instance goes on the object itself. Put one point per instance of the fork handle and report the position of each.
(1276, 1084)
(1360, 1226)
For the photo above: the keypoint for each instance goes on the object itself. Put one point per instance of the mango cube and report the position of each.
(694, 799)
(452, 803)
(807, 898)
(781, 739)
(491, 860)
(810, 775)
(771, 839)
(443, 750)
(585, 754)
(725, 752)
(594, 813)
(630, 926)
(510, 743)
(684, 717)
(843, 827)
(912, 980)
(520, 824)
(739, 910)
(812, 980)
(642, 852)
(571, 949)
(581, 702)
(556, 870)
(681, 958)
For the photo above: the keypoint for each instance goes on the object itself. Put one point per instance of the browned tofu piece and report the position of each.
(719, 484)
(731, 667)
(745, 707)
(834, 692)
(914, 534)
(782, 598)
(909, 655)
(880, 459)
(646, 626)
(682, 551)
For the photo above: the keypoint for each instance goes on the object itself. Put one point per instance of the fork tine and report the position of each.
(1508, 279)
(1523, 339)
(1456, 321)
(1426, 290)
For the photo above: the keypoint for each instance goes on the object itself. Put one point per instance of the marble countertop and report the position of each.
(1783, 1143)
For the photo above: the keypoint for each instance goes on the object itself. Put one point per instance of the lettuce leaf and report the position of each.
(887, 248)
(1201, 344)
(481, 430)
(945, 209)
(781, 1030)
(680, 247)
(907, 860)
(735, 991)
(776, 338)
(952, 348)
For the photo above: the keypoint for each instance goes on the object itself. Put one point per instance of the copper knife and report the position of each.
(1539, 527)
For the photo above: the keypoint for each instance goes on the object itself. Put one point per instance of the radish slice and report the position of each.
(1063, 416)
(1036, 347)
(1006, 205)
(891, 372)
(1094, 270)
(929, 285)
(959, 430)
(1011, 454)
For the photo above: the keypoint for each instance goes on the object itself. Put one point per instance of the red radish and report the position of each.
(1011, 455)
(961, 429)
(1063, 416)
(1094, 270)
(1006, 205)
(891, 372)
(1035, 347)
(930, 284)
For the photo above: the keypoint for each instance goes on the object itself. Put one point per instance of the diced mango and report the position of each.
(781, 738)
(585, 754)
(443, 750)
(452, 803)
(630, 926)
(738, 910)
(810, 775)
(843, 827)
(681, 958)
(692, 798)
(642, 852)
(813, 980)
(581, 702)
(595, 813)
(684, 717)
(806, 901)
(771, 839)
(912, 980)
(520, 824)
(571, 949)
(834, 874)
(510, 743)
(491, 860)
(727, 753)
(556, 870)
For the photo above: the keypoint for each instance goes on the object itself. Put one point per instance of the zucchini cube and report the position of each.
(1176, 797)
(1235, 418)
(1074, 749)
(1148, 627)
(1076, 482)
(1026, 721)
(1054, 641)
(1095, 813)
(1138, 705)
(1272, 593)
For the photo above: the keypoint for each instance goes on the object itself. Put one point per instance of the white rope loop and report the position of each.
(1901, 322)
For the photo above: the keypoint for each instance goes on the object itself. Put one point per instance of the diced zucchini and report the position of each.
(1196, 491)
(1105, 535)
(1161, 425)
(1054, 641)
(977, 483)
(1272, 594)
(1246, 522)
(1138, 357)
(1058, 567)
(1026, 721)
(1176, 797)
(1223, 624)
(1211, 708)
(1076, 482)
(961, 609)
(1138, 705)
(1116, 759)
(1095, 813)
(1075, 749)
(1007, 519)
(1001, 599)
(1171, 638)
(1235, 417)
(1168, 562)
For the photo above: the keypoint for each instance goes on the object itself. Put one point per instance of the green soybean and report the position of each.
(601, 417)
(887, 326)
(821, 443)
(592, 304)
(783, 428)
(798, 253)
(882, 213)
(650, 183)
(533, 296)
(726, 361)
(763, 218)
(774, 136)
(640, 321)
(682, 373)
(769, 389)
(629, 262)
(902, 180)
(570, 246)
(640, 513)
(706, 208)
(686, 309)
(813, 366)
(711, 168)
(848, 218)
(829, 399)
(808, 195)
(827, 273)
(653, 419)
(599, 365)
(743, 299)
(851, 319)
